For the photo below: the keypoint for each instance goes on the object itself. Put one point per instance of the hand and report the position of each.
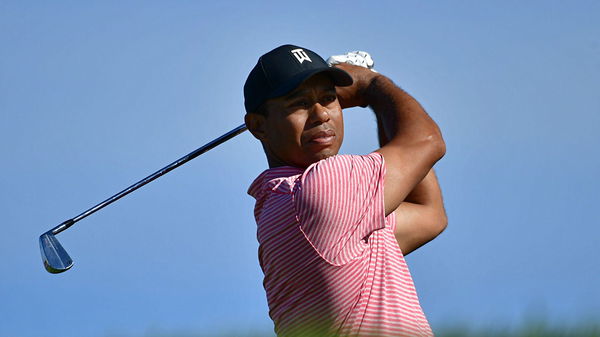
(354, 95)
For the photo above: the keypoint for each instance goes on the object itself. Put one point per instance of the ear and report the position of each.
(256, 125)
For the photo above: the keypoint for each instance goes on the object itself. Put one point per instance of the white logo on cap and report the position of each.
(301, 55)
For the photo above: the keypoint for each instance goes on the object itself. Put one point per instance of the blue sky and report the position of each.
(96, 96)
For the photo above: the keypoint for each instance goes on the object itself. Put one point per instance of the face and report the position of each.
(302, 127)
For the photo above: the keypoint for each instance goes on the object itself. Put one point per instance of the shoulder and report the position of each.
(340, 167)
(279, 180)
(340, 178)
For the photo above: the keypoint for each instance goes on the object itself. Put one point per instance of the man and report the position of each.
(333, 228)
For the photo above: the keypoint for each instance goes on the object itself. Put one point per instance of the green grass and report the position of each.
(531, 329)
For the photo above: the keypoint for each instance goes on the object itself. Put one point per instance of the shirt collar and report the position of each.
(272, 178)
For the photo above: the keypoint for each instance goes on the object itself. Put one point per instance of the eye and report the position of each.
(329, 98)
(302, 103)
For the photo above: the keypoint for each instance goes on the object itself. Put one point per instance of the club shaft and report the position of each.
(68, 223)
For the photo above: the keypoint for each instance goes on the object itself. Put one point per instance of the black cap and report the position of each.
(283, 69)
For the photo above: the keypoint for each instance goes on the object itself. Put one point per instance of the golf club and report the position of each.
(56, 260)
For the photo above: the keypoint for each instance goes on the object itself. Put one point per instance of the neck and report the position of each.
(274, 161)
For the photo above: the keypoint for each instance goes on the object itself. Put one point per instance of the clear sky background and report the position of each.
(96, 95)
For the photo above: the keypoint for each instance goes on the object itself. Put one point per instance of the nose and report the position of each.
(319, 114)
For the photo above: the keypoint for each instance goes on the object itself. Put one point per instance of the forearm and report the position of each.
(412, 230)
(400, 118)
(381, 136)
(421, 217)
(410, 140)
(427, 192)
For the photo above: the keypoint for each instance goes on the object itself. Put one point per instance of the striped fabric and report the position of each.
(331, 262)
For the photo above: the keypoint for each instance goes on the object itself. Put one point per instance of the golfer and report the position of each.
(333, 229)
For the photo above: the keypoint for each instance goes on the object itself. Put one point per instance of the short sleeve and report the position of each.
(339, 203)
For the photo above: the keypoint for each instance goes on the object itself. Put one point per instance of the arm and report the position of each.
(421, 217)
(415, 142)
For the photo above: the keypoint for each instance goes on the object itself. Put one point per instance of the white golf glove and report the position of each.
(357, 58)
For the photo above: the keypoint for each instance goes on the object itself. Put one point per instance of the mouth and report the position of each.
(322, 137)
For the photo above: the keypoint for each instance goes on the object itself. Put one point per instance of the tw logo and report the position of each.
(301, 55)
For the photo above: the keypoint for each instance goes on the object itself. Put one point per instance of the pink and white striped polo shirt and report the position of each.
(331, 262)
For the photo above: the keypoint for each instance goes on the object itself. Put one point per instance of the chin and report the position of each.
(324, 155)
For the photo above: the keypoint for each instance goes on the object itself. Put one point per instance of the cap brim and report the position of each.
(340, 79)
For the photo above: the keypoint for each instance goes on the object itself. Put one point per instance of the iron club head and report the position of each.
(56, 259)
